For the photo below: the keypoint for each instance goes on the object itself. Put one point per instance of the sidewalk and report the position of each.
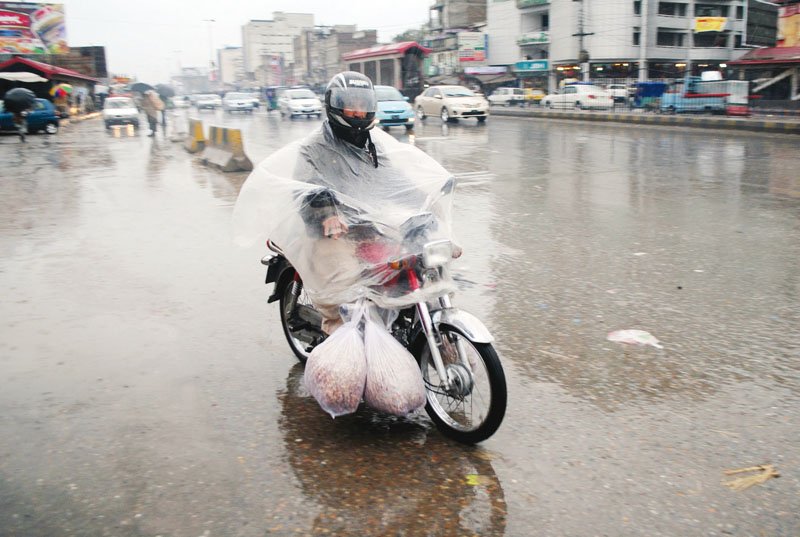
(783, 125)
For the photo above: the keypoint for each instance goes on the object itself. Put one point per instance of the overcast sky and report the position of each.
(150, 38)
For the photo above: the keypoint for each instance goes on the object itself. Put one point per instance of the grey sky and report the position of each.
(150, 38)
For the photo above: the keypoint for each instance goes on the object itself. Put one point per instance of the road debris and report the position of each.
(758, 475)
(634, 337)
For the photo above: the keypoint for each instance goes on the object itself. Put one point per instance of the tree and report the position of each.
(408, 35)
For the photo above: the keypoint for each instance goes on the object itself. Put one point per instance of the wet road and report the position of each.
(147, 389)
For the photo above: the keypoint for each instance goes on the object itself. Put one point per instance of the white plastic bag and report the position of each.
(336, 370)
(394, 382)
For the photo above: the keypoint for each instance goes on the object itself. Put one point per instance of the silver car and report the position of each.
(451, 103)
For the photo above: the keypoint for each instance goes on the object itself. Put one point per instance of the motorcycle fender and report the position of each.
(464, 322)
(275, 272)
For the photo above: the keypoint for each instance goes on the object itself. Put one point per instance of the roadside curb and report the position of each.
(705, 122)
(76, 119)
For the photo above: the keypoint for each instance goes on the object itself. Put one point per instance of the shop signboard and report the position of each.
(486, 70)
(27, 28)
(531, 66)
(471, 47)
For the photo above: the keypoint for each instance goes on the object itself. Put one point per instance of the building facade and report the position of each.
(268, 45)
(545, 42)
(319, 51)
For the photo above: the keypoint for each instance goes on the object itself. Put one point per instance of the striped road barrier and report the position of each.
(195, 140)
(225, 150)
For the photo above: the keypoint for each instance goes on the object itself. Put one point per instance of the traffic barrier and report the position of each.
(195, 140)
(225, 149)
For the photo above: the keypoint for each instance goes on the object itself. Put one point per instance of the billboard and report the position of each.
(709, 24)
(471, 47)
(27, 28)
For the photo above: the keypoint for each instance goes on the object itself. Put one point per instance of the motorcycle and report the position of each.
(463, 377)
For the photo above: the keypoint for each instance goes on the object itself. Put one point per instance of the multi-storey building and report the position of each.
(268, 45)
(456, 36)
(318, 51)
(546, 41)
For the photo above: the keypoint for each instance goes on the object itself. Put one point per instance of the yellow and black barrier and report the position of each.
(225, 150)
(195, 140)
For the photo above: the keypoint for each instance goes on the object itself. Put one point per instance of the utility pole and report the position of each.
(643, 37)
(583, 54)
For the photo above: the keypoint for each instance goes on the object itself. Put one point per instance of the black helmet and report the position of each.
(350, 103)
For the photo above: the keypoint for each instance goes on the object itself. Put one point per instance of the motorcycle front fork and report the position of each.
(433, 337)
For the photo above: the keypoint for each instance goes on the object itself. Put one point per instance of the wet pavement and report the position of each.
(147, 388)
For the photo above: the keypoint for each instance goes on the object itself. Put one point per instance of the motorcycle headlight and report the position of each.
(437, 253)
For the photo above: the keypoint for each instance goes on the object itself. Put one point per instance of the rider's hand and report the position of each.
(334, 227)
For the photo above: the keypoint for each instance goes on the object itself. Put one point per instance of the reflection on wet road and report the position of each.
(147, 388)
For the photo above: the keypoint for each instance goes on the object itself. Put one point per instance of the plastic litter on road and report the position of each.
(634, 337)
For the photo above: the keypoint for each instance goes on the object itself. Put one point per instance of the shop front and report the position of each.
(533, 74)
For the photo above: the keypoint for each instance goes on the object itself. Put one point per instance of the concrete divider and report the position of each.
(195, 140)
(225, 150)
(781, 125)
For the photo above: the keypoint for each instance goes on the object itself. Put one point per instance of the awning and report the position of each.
(47, 70)
(22, 77)
(492, 79)
(769, 55)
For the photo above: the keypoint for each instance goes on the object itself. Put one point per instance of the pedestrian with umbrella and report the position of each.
(60, 94)
(152, 105)
(19, 101)
(166, 93)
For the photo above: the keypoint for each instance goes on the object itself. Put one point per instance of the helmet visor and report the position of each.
(354, 103)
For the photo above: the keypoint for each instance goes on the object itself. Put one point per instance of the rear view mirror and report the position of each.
(437, 96)
(405, 98)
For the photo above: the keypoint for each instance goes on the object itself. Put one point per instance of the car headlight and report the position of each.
(437, 253)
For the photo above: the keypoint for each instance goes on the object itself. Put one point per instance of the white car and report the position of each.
(181, 101)
(507, 96)
(120, 111)
(208, 101)
(237, 102)
(299, 102)
(619, 92)
(579, 96)
(451, 103)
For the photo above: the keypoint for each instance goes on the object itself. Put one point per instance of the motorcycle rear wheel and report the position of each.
(473, 413)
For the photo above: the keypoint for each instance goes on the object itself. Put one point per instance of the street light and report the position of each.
(210, 48)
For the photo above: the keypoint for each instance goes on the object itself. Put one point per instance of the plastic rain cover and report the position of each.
(390, 212)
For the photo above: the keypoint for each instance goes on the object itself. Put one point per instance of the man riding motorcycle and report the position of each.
(346, 182)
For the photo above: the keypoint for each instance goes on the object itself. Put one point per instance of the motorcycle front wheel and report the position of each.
(474, 406)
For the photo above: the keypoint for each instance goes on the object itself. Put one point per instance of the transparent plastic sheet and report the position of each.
(336, 370)
(394, 382)
(390, 211)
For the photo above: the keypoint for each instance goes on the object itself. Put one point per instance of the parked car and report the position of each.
(507, 96)
(120, 111)
(451, 103)
(299, 102)
(208, 101)
(237, 102)
(43, 117)
(393, 108)
(253, 98)
(619, 92)
(579, 96)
